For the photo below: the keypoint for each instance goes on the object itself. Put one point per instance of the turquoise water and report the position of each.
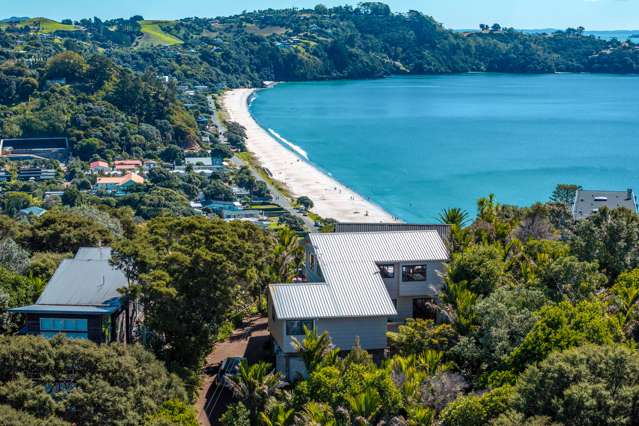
(416, 145)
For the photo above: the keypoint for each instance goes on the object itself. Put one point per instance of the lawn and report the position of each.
(154, 35)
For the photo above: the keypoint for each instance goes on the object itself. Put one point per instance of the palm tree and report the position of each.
(365, 406)
(316, 414)
(255, 386)
(278, 416)
(453, 216)
(287, 252)
(315, 349)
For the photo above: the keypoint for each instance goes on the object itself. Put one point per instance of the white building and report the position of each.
(359, 281)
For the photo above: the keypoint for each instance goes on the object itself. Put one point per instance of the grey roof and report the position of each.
(93, 253)
(442, 229)
(300, 301)
(401, 246)
(353, 286)
(589, 201)
(57, 309)
(206, 161)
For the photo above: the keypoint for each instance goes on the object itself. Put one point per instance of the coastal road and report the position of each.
(278, 197)
(215, 119)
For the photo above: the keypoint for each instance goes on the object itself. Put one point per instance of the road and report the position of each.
(215, 119)
(248, 341)
(278, 197)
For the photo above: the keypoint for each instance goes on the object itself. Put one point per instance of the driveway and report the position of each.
(250, 341)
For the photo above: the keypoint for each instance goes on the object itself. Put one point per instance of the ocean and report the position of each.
(416, 145)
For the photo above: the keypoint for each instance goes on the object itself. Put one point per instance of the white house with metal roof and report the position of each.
(358, 282)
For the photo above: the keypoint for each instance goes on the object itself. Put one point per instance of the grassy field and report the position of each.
(153, 34)
(46, 25)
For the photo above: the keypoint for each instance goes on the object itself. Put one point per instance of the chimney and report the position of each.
(629, 194)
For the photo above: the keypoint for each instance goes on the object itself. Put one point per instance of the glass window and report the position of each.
(414, 273)
(311, 262)
(296, 327)
(64, 324)
(387, 271)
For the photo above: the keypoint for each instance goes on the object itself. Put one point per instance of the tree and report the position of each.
(278, 415)
(305, 202)
(564, 326)
(564, 194)
(566, 278)
(217, 190)
(255, 386)
(481, 266)
(12, 417)
(64, 231)
(454, 216)
(610, 237)
(590, 385)
(13, 257)
(418, 335)
(68, 65)
(623, 301)
(173, 412)
(87, 148)
(13, 202)
(314, 349)
(190, 273)
(96, 384)
(16, 290)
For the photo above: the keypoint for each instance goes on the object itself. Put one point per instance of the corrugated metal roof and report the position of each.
(83, 282)
(93, 253)
(56, 309)
(358, 289)
(589, 201)
(401, 246)
(442, 229)
(301, 301)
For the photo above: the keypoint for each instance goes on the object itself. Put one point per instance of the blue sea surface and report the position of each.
(417, 145)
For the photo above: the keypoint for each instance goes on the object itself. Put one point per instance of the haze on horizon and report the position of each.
(523, 14)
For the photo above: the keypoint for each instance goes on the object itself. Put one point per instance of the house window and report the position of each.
(412, 273)
(74, 328)
(387, 271)
(296, 327)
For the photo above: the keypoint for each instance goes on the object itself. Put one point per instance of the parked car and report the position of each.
(229, 367)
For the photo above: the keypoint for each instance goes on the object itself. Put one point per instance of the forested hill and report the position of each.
(342, 42)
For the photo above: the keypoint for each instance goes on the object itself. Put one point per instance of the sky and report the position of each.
(523, 14)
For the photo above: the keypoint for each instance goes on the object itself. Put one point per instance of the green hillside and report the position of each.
(154, 35)
(45, 25)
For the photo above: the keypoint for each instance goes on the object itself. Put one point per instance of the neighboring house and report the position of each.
(222, 205)
(127, 165)
(82, 300)
(150, 165)
(119, 184)
(589, 201)
(32, 211)
(4, 176)
(358, 281)
(36, 173)
(241, 214)
(99, 167)
(35, 148)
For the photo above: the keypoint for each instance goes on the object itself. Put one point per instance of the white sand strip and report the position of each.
(331, 198)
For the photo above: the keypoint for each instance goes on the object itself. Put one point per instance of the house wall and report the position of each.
(94, 324)
(430, 287)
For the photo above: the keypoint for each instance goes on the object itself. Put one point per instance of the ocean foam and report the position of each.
(294, 147)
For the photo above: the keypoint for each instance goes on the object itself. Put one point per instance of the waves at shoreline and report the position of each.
(295, 148)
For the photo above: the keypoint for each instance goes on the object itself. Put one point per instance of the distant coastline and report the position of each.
(331, 198)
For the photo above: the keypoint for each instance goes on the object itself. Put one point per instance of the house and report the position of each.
(82, 300)
(32, 211)
(222, 205)
(4, 176)
(589, 201)
(119, 184)
(150, 165)
(35, 148)
(99, 166)
(36, 173)
(357, 282)
(127, 165)
(241, 214)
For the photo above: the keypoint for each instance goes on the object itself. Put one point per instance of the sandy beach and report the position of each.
(331, 198)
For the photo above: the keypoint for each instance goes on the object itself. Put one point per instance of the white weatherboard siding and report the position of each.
(344, 331)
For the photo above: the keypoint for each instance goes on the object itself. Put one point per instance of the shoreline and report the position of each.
(331, 198)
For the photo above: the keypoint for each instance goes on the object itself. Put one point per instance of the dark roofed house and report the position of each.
(35, 148)
(589, 201)
(36, 173)
(82, 301)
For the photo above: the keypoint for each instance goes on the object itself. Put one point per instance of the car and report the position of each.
(229, 367)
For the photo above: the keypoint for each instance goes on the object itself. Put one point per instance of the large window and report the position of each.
(387, 271)
(296, 327)
(412, 273)
(74, 328)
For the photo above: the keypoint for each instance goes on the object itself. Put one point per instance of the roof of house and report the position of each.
(206, 161)
(120, 180)
(589, 201)
(85, 284)
(352, 284)
(443, 229)
(33, 210)
(127, 163)
(98, 163)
